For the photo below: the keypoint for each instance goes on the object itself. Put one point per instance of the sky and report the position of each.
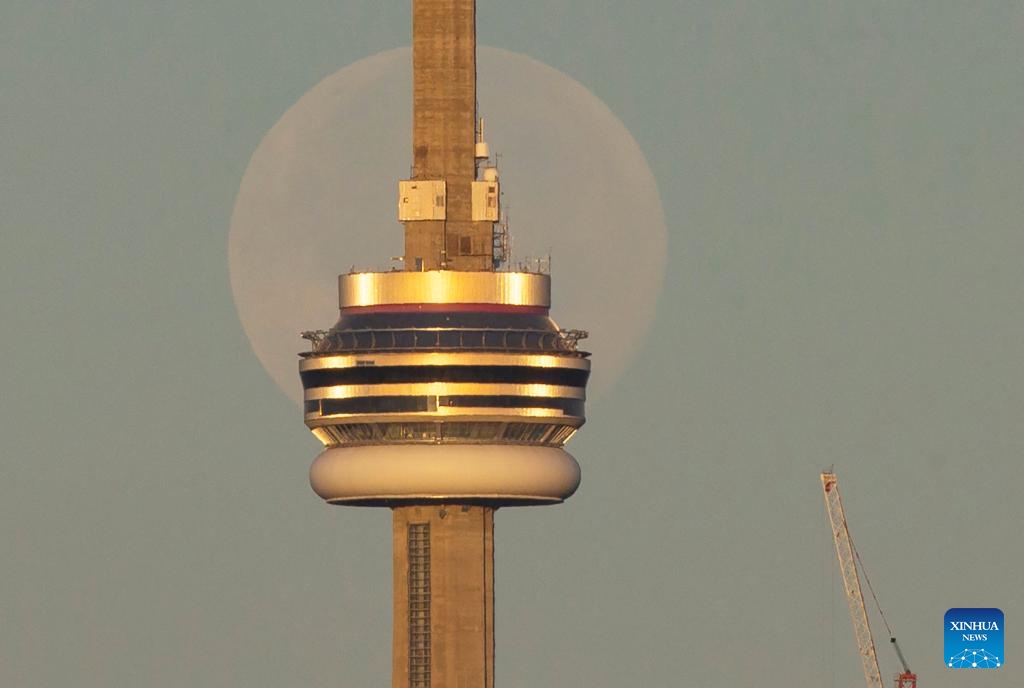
(841, 185)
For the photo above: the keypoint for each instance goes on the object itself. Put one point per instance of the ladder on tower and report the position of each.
(419, 605)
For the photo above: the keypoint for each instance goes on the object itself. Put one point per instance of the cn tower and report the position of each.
(445, 391)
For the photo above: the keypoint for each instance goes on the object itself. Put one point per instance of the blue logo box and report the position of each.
(973, 638)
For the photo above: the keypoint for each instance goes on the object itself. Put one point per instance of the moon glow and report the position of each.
(319, 198)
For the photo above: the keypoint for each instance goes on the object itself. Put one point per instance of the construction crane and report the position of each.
(847, 556)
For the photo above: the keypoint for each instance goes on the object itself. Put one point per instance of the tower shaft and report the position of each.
(445, 390)
(444, 139)
(443, 597)
(444, 92)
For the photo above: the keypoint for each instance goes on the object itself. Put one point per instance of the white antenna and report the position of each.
(483, 152)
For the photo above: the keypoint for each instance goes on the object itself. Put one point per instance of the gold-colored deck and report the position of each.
(362, 289)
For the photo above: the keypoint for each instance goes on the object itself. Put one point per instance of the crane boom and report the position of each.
(851, 580)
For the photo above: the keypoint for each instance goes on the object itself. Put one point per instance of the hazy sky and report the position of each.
(842, 183)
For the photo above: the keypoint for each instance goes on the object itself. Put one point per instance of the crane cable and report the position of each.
(867, 580)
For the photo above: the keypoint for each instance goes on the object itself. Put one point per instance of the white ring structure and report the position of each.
(498, 473)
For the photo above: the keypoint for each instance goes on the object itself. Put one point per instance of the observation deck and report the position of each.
(444, 385)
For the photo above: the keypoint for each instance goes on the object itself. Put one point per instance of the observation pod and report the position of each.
(444, 386)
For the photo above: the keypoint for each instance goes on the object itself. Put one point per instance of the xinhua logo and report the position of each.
(974, 638)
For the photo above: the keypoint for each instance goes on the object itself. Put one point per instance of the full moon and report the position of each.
(319, 198)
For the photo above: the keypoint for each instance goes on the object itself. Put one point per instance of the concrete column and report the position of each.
(459, 644)
(444, 135)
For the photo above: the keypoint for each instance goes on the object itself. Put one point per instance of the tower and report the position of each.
(445, 391)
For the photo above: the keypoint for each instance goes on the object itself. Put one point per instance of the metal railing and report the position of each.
(443, 339)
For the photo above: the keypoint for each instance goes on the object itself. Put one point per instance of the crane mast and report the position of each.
(851, 580)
